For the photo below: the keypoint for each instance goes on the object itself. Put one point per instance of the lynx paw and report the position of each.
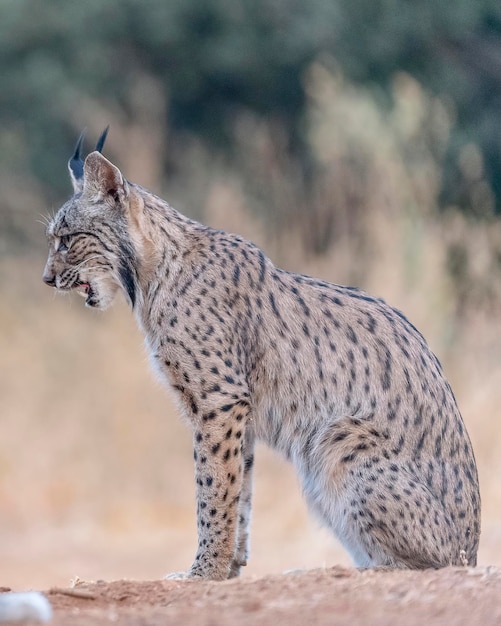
(236, 566)
(180, 576)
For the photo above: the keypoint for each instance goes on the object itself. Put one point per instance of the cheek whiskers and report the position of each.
(91, 258)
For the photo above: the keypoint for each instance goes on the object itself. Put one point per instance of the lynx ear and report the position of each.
(103, 178)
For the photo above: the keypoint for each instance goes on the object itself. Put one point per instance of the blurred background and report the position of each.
(356, 140)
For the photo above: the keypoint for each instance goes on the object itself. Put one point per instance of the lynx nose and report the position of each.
(49, 278)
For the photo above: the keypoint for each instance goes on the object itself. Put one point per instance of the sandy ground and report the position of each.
(321, 596)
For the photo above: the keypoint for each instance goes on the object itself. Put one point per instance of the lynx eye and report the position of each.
(62, 244)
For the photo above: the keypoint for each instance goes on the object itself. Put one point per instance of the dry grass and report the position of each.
(95, 466)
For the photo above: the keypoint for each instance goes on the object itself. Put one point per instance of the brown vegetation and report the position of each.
(95, 466)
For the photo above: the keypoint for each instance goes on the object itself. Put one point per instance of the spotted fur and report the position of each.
(337, 381)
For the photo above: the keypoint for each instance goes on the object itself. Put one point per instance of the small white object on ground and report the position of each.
(18, 606)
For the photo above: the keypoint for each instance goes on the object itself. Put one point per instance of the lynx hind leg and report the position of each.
(386, 518)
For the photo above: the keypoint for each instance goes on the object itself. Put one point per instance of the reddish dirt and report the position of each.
(327, 596)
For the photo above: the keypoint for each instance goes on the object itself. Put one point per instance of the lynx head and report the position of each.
(90, 247)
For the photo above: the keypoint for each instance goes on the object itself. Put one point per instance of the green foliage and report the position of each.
(213, 60)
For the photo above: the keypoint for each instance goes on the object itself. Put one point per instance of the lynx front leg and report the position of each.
(244, 506)
(219, 461)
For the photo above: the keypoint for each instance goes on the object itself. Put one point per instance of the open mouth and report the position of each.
(86, 291)
(83, 289)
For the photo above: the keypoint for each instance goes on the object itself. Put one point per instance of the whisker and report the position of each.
(82, 263)
(46, 220)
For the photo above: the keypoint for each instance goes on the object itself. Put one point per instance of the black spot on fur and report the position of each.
(126, 272)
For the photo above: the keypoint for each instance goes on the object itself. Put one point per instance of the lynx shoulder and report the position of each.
(337, 381)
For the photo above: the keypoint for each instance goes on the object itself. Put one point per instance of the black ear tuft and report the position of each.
(76, 162)
(102, 139)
